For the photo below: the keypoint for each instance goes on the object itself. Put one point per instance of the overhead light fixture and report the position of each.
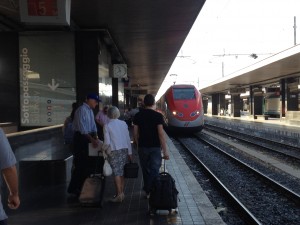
(247, 93)
(32, 75)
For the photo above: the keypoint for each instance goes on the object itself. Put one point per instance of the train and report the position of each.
(182, 108)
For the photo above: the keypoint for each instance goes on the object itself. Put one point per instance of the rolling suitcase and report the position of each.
(92, 191)
(163, 194)
(93, 187)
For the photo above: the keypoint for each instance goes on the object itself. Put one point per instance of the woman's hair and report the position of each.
(113, 112)
(74, 108)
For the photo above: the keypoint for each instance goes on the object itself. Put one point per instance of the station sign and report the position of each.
(51, 12)
(47, 78)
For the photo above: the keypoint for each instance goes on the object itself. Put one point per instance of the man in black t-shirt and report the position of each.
(150, 139)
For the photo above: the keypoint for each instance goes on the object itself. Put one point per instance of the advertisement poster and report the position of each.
(47, 78)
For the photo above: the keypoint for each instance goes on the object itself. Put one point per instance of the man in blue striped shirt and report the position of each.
(85, 132)
(9, 172)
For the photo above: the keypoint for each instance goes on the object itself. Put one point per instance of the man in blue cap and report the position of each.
(85, 132)
(9, 172)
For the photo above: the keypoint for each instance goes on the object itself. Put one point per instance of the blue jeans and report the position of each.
(150, 159)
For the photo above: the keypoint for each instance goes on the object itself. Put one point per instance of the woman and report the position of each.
(68, 126)
(116, 136)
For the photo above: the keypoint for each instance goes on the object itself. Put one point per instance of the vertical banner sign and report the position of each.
(47, 78)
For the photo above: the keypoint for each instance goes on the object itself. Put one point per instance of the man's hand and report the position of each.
(166, 156)
(11, 178)
(95, 142)
(13, 201)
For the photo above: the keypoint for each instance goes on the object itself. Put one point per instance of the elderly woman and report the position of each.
(116, 136)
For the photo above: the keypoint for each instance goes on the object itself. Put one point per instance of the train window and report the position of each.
(184, 93)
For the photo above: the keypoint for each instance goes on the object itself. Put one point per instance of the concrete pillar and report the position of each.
(218, 103)
(292, 95)
(215, 103)
(222, 103)
(205, 105)
(251, 100)
(115, 89)
(9, 78)
(236, 105)
(127, 99)
(87, 80)
(283, 94)
(258, 104)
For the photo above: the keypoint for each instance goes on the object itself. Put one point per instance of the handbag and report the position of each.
(106, 149)
(131, 170)
(107, 170)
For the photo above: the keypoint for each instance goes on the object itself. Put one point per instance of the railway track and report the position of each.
(258, 199)
(290, 153)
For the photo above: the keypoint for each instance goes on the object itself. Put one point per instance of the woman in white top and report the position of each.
(116, 136)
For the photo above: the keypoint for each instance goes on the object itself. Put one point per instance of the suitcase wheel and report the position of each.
(152, 212)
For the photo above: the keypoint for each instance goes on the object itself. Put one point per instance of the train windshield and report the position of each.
(183, 93)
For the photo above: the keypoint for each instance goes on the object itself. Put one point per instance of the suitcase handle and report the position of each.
(164, 163)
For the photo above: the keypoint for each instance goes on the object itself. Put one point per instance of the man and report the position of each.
(9, 172)
(85, 132)
(150, 139)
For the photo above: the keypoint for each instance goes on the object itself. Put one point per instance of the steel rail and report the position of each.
(253, 143)
(248, 217)
(293, 196)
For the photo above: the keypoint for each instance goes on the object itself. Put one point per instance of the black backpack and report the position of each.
(163, 194)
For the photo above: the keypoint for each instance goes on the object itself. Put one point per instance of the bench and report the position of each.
(265, 117)
(53, 169)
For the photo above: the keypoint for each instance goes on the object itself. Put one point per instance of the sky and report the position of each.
(226, 33)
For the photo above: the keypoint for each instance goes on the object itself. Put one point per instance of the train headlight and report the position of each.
(179, 114)
(195, 113)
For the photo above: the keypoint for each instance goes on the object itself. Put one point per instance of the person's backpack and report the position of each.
(68, 133)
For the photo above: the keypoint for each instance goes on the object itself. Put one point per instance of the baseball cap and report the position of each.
(93, 96)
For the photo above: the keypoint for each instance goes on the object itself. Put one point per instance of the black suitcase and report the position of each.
(163, 194)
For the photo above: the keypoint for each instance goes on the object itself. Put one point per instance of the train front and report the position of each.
(184, 110)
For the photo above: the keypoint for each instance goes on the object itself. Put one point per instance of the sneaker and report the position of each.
(122, 196)
(118, 199)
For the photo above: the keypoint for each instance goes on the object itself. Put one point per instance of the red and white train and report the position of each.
(182, 108)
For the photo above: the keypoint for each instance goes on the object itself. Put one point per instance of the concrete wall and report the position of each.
(9, 77)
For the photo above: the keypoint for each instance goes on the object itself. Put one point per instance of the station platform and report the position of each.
(49, 205)
(274, 129)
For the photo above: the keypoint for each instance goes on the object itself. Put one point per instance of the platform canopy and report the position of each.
(147, 33)
(284, 64)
